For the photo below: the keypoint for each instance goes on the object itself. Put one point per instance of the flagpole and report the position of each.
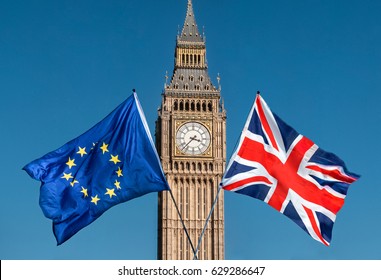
(182, 222)
(206, 223)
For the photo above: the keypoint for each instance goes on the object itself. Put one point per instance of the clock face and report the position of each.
(192, 138)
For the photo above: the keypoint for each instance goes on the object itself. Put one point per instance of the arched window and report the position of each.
(175, 105)
(199, 209)
(210, 107)
(187, 106)
(204, 106)
(181, 243)
(206, 246)
(198, 106)
(192, 106)
(181, 194)
(205, 199)
(181, 105)
(187, 200)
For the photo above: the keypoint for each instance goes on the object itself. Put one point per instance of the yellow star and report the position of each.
(104, 147)
(95, 199)
(117, 184)
(74, 182)
(67, 176)
(110, 192)
(70, 163)
(82, 151)
(84, 191)
(115, 159)
(119, 172)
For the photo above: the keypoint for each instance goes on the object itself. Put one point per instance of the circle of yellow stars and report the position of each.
(110, 192)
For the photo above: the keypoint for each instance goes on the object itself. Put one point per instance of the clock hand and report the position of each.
(195, 139)
(191, 139)
(182, 149)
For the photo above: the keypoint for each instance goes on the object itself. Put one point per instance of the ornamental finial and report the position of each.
(166, 79)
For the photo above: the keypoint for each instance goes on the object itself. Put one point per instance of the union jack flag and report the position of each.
(285, 169)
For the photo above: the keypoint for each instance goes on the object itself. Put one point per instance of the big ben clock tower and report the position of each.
(191, 142)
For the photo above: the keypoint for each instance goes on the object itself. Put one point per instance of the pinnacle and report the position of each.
(190, 31)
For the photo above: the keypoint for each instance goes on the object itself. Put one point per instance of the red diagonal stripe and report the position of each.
(265, 123)
(315, 227)
(333, 173)
(240, 183)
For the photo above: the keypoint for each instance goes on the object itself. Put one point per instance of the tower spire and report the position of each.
(190, 71)
(190, 31)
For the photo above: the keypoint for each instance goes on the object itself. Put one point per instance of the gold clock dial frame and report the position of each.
(193, 138)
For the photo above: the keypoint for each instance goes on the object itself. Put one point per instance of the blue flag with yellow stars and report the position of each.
(113, 162)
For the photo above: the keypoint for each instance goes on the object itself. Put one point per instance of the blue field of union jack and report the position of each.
(285, 169)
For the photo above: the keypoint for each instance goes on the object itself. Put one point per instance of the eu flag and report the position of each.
(113, 162)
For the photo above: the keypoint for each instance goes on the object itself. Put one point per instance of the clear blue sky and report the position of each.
(64, 65)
